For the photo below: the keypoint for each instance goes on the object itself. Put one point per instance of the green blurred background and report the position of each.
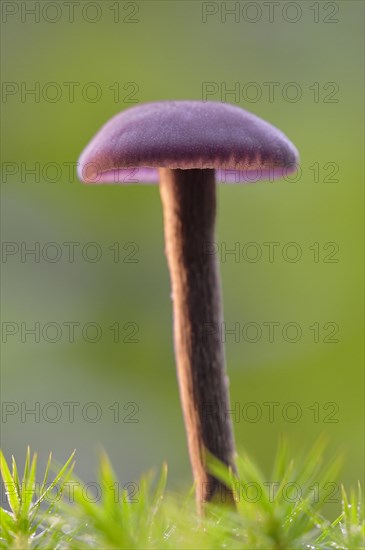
(167, 51)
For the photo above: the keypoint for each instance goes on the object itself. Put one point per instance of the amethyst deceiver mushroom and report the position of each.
(187, 141)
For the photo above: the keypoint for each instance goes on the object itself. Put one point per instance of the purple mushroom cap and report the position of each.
(241, 147)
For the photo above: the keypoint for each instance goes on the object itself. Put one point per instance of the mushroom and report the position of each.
(181, 144)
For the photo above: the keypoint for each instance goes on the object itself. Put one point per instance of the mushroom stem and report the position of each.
(189, 207)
